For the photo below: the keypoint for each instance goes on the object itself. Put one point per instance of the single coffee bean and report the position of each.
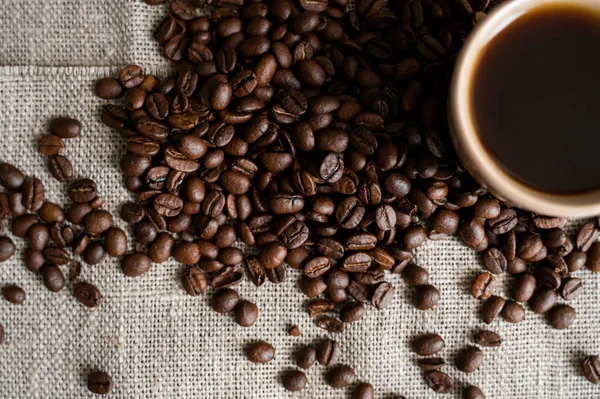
(97, 221)
(587, 236)
(341, 377)
(431, 363)
(225, 300)
(543, 300)
(94, 253)
(61, 168)
(87, 294)
(294, 380)
(364, 391)
(571, 288)
(22, 224)
(272, 255)
(352, 312)
(38, 235)
(561, 316)
(53, 277)
(428, 344)
(415, 275)
(306, 357)
(469, 359)
(33, 194)
(34, 260)
(593, 257)
(494, 261)
(194, 281)
(591, 369)
(7, 249)
(384, 293)
(187, 253)
(82, 191)
(136, 264)
(484, 286)
(51, 213)
(11, 178)
(328, 352)
(65, 127)
(108, 89)
(488, 339)
(14, 294)
(261, 352)
(513, 312)
(473, 392)
(51, 145)
(426, 297)
(246, 313)
(330, 324)
(439, 381)
(524, 287)
(492, 308)
(99, 383)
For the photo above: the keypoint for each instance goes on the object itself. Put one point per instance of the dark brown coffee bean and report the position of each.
(11, 178)
(21, 225)
(33, 260)
(82, 191)
(187, 253)
(33, 194)
(492, 308)
(341, 377)
(99, 383)
(473, 392)
(328, 352)
(352, 312)
(591, 369)
(561, 316)
(168, 205)
(194, 282)
(384, 293)
(61, 168)
(439, 381)
(415, 275)
(51, 213)
(427, 345)
(294, 380)
(469, 359)
(97, 221)
(272, 255)
(494, 261)
(513, 312)
(330, 324)
(38, 235)
(316, 267)
(65, 127)
(87, 294)
(484, 286)
(369, 7)
(108, 89)
(260, 352)
(571, 288)
(136, 264)
(246, 313)
(51, 145)
(426, 297)
(504, 222)
(524, 287)
(7, 249)
(14, 294)
(53, 277)
(488, 339)
(94, 253)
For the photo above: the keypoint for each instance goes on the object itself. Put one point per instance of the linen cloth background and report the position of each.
(157, 342)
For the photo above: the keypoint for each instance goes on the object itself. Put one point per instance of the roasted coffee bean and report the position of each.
(427, 345)
(306, 357)
(94, 253)
(14, 294)
(330, 324)
(473, 392)
(58, 256)
(272, 255)
(97, 221)
(341, 377)
(488, 339)
(51, 213)
(328, 352)
(415, 275)
(384, 293)
(543, 300)
(161, 247)
(21, 225)
(33, 194)
(108, 89)
(51, 145)
(11, 178)
(53, 277)
(82, 191)
(99, 383)
(294, 380)
(492, 308)
(132, 213)
(145, 232)
(136, 264)
(7, 249)
(591, 369)
(87, 294)
(561, 316)
(61, 168)
(571, 288)
(426, 297)
(439, 381)
(187, 253)
(494, 261)
(63, 236)
(547, 278)
(260, 352)
(469, 359)
(513, 312)
(65, 127)
(352, 312)
(431, 363)
(484, 286)
(246, 313)
(586, 237)
(33, 260)
(38, 235)
(524, 287)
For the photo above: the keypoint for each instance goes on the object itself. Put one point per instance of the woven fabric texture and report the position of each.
(156, 341)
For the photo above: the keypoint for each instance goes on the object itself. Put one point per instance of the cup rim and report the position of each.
(466, 141)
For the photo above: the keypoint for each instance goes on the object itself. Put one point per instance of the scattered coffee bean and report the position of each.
(341, 377)
(65, 127)
(99, 383)
(473, 392)
(427, 345)
(306, 357)
(431, 363)
(513, 312)
(364, 391)
(246, 313)
(7, 249)
(136, 264)
(260, 352)
(469, 359)
(561, 316)
(591, 369)
(294, 380)
(88, 294)
(440, 382)
(487, 338)
(328, 352)
(426, 297)
(53, 277)
(14, 294)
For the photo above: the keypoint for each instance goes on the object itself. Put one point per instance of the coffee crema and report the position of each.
(535, 99)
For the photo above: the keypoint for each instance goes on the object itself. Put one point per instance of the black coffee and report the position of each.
(536, 101)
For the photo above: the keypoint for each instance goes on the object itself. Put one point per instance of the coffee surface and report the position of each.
(536, 99)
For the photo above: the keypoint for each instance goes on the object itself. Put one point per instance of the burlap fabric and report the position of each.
(156, 341)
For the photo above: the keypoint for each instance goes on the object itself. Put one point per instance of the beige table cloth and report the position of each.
(158, 342)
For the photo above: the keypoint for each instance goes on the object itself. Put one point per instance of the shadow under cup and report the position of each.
(525, 105)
